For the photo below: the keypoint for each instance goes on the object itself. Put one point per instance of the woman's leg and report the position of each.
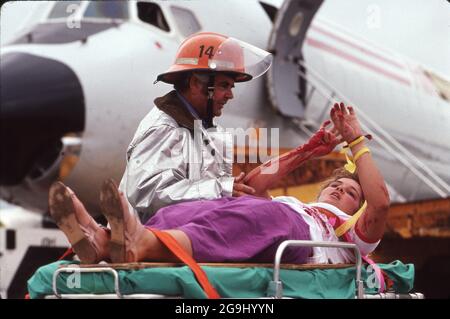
(150, 248)
(130, 240)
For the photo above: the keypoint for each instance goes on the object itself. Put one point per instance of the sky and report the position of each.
(418, 29)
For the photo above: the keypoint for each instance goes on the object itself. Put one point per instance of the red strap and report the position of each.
(389, 282)
(178, 251)
(68, 252)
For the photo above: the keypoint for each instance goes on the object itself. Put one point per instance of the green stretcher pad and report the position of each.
(230, 282)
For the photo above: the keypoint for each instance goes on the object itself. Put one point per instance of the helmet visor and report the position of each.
(237, 56)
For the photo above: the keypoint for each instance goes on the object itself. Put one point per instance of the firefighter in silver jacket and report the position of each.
(177, 153)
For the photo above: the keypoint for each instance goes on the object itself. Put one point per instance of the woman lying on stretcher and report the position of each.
(247, 228)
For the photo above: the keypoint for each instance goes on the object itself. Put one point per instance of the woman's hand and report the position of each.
(323, 141)
(345, 121)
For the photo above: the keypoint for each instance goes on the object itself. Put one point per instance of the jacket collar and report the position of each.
(172, 106)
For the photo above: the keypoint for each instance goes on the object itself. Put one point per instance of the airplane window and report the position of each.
(64, 9)
(187, 22)
(152, 14)
(107, 9)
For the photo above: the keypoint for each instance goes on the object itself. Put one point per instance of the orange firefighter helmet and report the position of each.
(208, 52)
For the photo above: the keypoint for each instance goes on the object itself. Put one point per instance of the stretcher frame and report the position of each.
(274, 290)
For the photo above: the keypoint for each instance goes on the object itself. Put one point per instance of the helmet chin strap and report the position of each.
(209, 108)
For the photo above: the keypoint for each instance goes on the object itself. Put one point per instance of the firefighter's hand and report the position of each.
(240, 189)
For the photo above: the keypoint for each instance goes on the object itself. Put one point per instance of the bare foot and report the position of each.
(88, 240)
(126, 229)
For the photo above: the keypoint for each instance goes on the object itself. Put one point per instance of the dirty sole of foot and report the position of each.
(62, 210)
(112, 209)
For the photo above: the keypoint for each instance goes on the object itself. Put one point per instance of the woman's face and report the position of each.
(344, 193)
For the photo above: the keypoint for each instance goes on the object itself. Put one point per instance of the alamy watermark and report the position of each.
(73, 281)
(373, 20)
(217, 145)
(72, 22)
(372, 280)
(263, 145)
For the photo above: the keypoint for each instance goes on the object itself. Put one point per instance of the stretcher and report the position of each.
(69, 279)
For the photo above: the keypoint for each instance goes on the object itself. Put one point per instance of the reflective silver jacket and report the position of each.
(168, 161)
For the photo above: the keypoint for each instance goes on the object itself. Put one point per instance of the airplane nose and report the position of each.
(41, 101)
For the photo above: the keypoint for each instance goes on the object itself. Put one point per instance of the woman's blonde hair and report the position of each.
(338, 174)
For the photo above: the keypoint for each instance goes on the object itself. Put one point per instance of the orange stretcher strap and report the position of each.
(178, 251)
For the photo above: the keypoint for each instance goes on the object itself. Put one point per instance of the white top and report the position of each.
(321, 230)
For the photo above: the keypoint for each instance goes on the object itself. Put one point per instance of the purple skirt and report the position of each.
(233, 229)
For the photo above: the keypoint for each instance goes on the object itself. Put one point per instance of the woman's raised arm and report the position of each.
(372, 223)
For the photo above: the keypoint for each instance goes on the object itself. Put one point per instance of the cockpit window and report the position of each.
(152, 14)
(441, 85)
(63, 9)
(107, 9)
(270, 10)
(186, 20)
